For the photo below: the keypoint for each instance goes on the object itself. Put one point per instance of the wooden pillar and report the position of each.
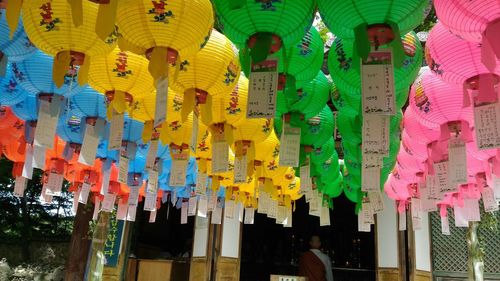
(79, 245)
(421, 251)
(387, 237)
(202, 250)
(117, 273)
(228, 250)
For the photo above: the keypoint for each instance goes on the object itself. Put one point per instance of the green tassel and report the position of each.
(361, 42)
(397, 46)
(262, 47)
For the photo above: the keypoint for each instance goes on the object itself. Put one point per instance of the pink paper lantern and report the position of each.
(436, 102)
(413, 147)
(415, 129)
(455, 60)
(396, 189)
(475, 21)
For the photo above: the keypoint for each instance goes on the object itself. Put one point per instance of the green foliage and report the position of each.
(429, 22)
(23, 219)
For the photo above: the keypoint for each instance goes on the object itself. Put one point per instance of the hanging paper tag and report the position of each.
(416, 213)
(220, 155)
(281, 215)
(161, 101)
(288, 221)
(28, 162)
(202, 206)
(460, 216)
(363, 226)
(151, 157)
(131, 212)
(427, 204)
(457, 166)
(97, 206)
(123, 169)
(263, 86)
(212, 202)
(192, 206)
(108, 204)
(445, 226)
(375, 134)
(90, 143)
(54, 184)
(84, 193)
(487, 125)
(240, 211)
(376, 201)
(229, 209)
(489, 201)
(262, 207)
(272, 212)
(201, 183)
(133, 196)
(314, 206)
(121, 213)
(402, 221)
(496, 186)
(178, 170)
(377, 80)
(373, 160)
(441, 173)
(305, 178)
(116, 131)
(74, 207)
(324, 218)
(472, 208)
(370, 178)
(44, 197)
(106, 176)
(434, 192)
(217, 213)
(150, 201)
(152, 186)
(240, 169)
(152, 216)
(20, 186)
(184, 212)
(38, 157)
(289, 146)
(249, 216)
(48, 115)
(194, 134)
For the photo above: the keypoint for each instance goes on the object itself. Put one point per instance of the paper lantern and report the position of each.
(33, 74)
(346, 73)
(11, 92)
(178, 133)
(166, 32)
(269, 24)
(250, 132)
(371, 23)
(416, 130)
(69, 129)
(16, 47)
(475, 22)
(50, 27)
(323, 153)
(308, 100)
(9, 121)
(27, 109)
(196, 82)
(299, 62)
(121, 75)
(457, 61)
(89, 103)
(436, 103)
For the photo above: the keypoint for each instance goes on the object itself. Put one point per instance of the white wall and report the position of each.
(200, 237)
(423, 246)
(387, 235)
(231, 236)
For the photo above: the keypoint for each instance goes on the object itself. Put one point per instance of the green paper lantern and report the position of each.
(308, 100)
(321, 154)
(345, 69)
(331, 188)
(315, 131)
(286, 21)
(354, 194)
(372, 22)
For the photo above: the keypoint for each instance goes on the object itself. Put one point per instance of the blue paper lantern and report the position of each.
(70, 128)
(17, 48)
(27, 109)
(10, 91)
(88, 103)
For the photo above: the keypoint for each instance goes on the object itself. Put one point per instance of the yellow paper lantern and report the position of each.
(168, 32)
(225, 178)
(250, 132)
(203, 152)
(175, 133)
(50, 27)
(123, 72)
(214, 70)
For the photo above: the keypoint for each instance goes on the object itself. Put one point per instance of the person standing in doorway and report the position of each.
(315, 265)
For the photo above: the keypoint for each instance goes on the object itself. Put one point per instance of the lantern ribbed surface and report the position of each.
(288, 19)
(347, 76)
(10, 90)
(121, 71)
(17, 48)
(264, 151)
(203, 142)
(435, 102)
(453, 59)
(34, 74)
(221, 58)
(50, 27)
(27, 109)
(468, 19)
(235, 103)
(182, 25)
(174, 131)
(321, 154)
(69, 128)
(132, 129)
(342, 17)
(311, 98)
(256, 130)
(89, 103)
(415, 129)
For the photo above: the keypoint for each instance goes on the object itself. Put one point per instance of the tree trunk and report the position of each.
(79, 246)
(476, 255)
(25, 230)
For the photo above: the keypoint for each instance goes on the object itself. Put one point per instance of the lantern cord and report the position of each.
(106, 17)
(13, 12)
